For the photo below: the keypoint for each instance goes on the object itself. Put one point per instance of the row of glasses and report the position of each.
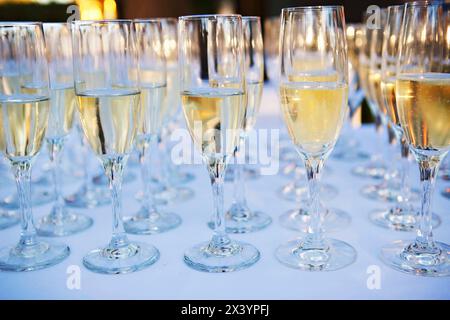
(422, 103)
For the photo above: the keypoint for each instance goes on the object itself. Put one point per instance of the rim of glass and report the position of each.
(20, 23)
(315, 8)
(207, 16)
(251, 18)
(157, 19)
(103, 21)
(423, 3)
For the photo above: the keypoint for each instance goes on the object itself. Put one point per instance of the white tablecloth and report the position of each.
(170, 278)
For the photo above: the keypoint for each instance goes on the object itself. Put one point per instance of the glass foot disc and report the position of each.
(295, 193)
(135, 256)
(433, 266)
(71, 223)
(8, 219)
(406, 221)
(42, 256)
(82, 199)
(338, 255)
(253, 221)
(241, 256)
(142, 224)
(299, 220)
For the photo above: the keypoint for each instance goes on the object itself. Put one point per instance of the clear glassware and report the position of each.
(376, 168)
(166, 177)
(212, 72)
(107, 88)
(313, 90)
(422, 94)
(24, 111)
(347, 147)
(58, 39)
(155, 110)
(403, 214)
(240, 218)
(89, 195)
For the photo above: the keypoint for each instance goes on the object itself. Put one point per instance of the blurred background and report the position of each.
(55, 10)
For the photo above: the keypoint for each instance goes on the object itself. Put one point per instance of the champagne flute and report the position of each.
(167, 177)
(24, 111)
(314, 105)
(376, 167)
(240, 218)
(152, 74)
(212, 73)
(402, 215)
(422, 92)
(306, 66)
(60, 221)
(107, 88)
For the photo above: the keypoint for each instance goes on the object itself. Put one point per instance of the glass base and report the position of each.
(8, 219)
(94, 198)
(132, 257)
(32, 257)
(422, 261)
(102, 179)
(38, 197)
(173, 194)
(231, 256)
(249, 174)
(387, 192)
(158, 202)
(243, 220)
(299, 220)
(151, 223)
(63, 224)
(399, 220)
(295, 191)
(333, 255)
(372, 170)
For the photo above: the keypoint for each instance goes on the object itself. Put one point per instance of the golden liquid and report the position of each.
(375, 88)
(153, 109)
(110, 119)
(62, 107)
(423, 102)
(388, 91)
(23, 121)
(215, 119)
(314, 114)
(254, 94)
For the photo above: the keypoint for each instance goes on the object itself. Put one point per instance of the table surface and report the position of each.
(170, 278)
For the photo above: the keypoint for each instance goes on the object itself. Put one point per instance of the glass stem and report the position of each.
(216, 168)
(239, 183)
(22, 174)
(313, 171)
(114, 171)
(87, 185)
(404, 173)
(55, 147)
(428, 167)
(148, 201)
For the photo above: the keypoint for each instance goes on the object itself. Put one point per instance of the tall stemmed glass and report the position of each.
(240, 218)
(213, 93)
(24, 110)
(402, 215)
(107, 88)
(58, 40)
(314, 104)
(423, 104)
(304, 67)
(152, 73)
